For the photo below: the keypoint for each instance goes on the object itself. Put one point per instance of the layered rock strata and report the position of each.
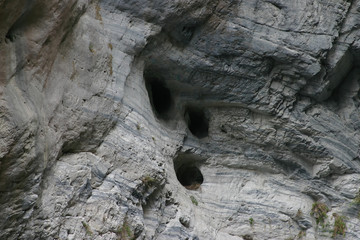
(151, 119)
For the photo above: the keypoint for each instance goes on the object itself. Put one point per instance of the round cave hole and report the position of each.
(160, 96)
(189, 176)
(197, 122)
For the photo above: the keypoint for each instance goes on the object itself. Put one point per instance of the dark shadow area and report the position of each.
(197, 122)
(181, 34)
(188, 172)
(160, 96)
(187, 32)
(10, 36)
(292, 168)
(34, 12)
(190, 176)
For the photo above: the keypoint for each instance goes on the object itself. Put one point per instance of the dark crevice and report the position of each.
(324, 85)
(197, 121)
(269, 65)
(291, 167)
(160, 96)
(187, 32)
(10, 36)
(181, 35)
(337, 93)
(276, 4)
(338, 73)
(32, 14)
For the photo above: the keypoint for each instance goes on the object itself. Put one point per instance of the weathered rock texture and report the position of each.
(108, 106)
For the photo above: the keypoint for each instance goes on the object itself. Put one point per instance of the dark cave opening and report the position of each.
(189, 176)
(10, 36)
(197, 122)
(187, 32)
(160, 96)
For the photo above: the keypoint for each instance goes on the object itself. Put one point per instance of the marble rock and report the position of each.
(149, 119)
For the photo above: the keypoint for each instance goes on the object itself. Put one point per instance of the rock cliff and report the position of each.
(186, 119)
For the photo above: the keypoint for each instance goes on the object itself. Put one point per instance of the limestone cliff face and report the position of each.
(151, 119)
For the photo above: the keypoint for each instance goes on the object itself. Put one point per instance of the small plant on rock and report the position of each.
(251, 221)
(194, 201)
(148, 181)
(301, 234)
(87, 228)
(339, 225)
(319, 212)
(97, 12)
(124, 232)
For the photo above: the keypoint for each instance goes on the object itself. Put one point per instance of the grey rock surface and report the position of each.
(151, 119)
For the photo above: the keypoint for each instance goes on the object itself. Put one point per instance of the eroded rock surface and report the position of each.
(151, 119)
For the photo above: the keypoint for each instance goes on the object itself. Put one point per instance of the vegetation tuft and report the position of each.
(339, 225)
(97, 12)
(124, 232)
(148, 181)
(319, 212)
(301, 234)
(87, 228)
(194, 201)
(251, 221)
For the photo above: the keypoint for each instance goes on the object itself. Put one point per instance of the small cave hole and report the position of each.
(189, 176)
(10, 36)
(197, 122)
(187, 170)
(187, 32)
(160, 96)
